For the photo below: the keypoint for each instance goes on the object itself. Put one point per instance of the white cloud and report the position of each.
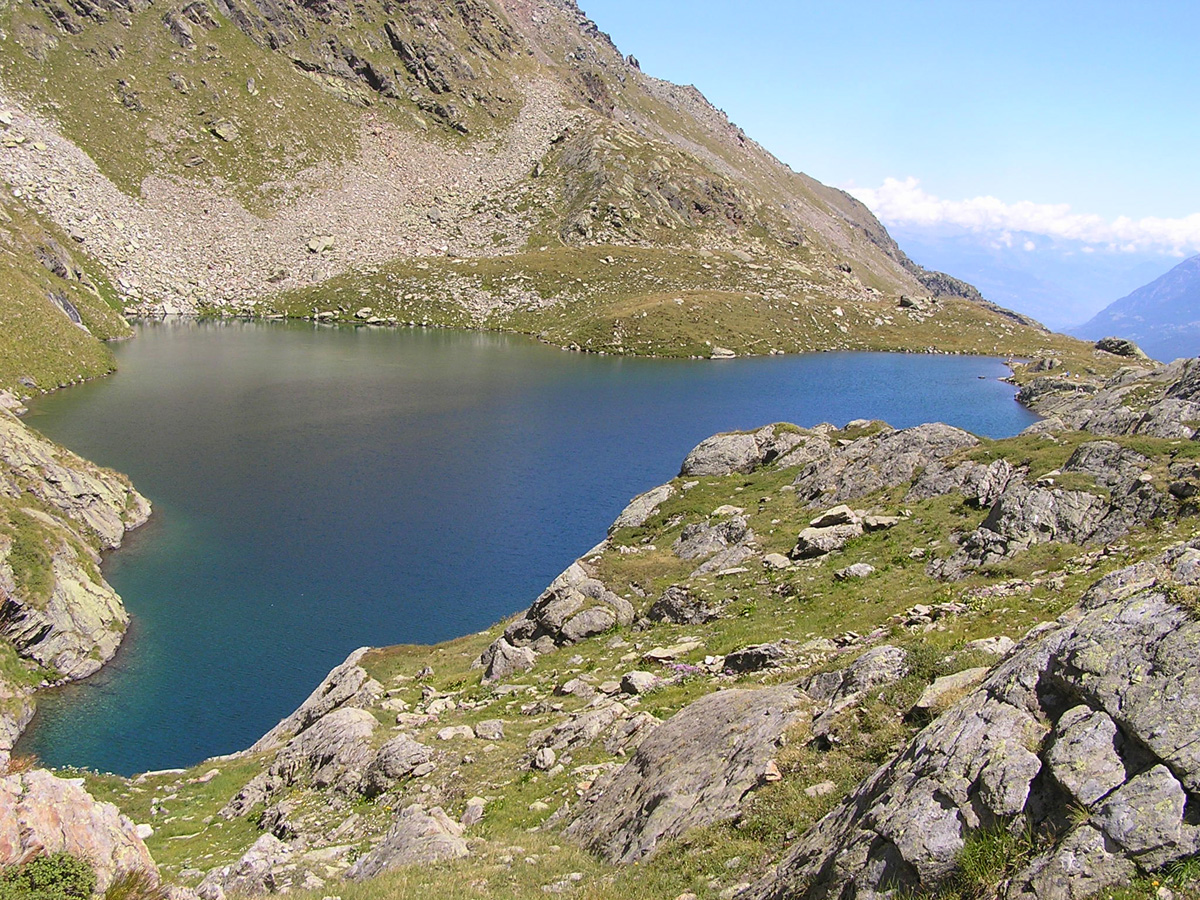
(904, 202)
(1029, 246)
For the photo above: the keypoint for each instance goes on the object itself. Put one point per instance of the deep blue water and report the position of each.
(317, 489)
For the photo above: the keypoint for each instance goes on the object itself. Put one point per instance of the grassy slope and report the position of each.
(517, 856)
(672, 303)
(37, 340)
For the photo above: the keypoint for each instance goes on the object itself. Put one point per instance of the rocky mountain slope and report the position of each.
(819, 662)
(234, 157)
(1162, 316)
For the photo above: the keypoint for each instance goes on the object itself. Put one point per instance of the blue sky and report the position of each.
(1079, 120)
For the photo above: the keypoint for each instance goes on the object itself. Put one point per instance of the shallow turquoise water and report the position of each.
(317, 489)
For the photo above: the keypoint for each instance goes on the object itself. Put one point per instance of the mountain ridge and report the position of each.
(1162, 316)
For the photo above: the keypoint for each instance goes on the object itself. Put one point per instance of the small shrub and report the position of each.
(59, 876)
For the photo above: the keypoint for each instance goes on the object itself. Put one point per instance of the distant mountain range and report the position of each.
(1060, 283)
(1162, 316)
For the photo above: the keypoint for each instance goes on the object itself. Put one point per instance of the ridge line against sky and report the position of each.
(1088, 106)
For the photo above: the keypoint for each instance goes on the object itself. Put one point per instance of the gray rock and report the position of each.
(1120, 347)
(502, 659)
(935, 698)
(395, 760)
(1034, 740)
(1083, 756)
(754, 659)
(574, 595)
(678, 606)
(346, 685)
(417, 837)
(332, 752)
(675, 782)
(638, 682)
(490, 730)
(881, 460)
(858, 570)
(544, 759)
(642, 507)
(701, 540)
(724, 454)
(253, 873)
(839, 515)
(813, 542)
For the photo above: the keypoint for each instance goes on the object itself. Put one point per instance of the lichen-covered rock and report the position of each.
(1099, 714)
(417, 836)
(886, 458)
(39, 810)
(724, 454)
(77, 624)
(675, 780)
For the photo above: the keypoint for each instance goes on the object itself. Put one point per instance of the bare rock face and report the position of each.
(1157, 402)
(677, 779)
(1025, 514)
(347, 685)
(100, 500)
(332, 752)
(1099, 714)
(57, 814)
(881, 460)
(724, 454)
(418, 836)
(79, 623)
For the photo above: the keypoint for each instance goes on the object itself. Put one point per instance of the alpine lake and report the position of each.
(317, 489)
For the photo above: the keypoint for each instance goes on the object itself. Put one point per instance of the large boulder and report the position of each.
(574, 607)
(724, 454)
(1089, 734)
(332, 752)
(642, 507)
(675, 781)
(40, 812)
(417, 837)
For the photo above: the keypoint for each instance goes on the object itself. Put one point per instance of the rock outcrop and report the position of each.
(100, 501)
(575, 606)
(418, 836)
(885, 458)
(1088, 736)
(57, 512)
(348, 685)
(1155, 402)
(40, 812)
(724, 454)
(678, 778)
